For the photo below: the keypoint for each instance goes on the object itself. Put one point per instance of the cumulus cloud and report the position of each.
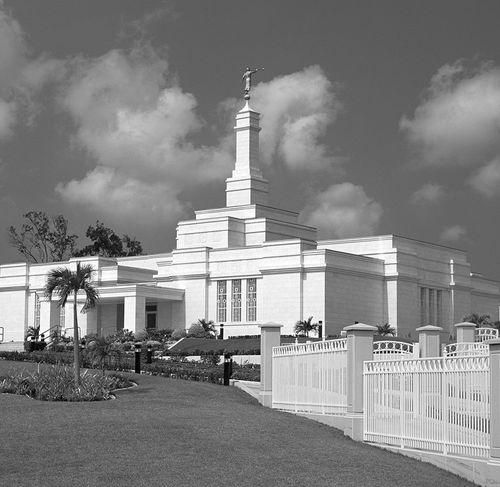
(486, 180)
(341, 211)
(135, 119)
(458, 119)
(428, 193)
(453, 233)
(297, 110)
(21, 77)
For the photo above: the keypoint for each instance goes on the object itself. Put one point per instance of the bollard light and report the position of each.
(228, 368)
(221, 331)
(137, 346)
(149, 355)
(320, 330)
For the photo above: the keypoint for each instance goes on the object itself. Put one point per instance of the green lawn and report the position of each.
(168, 432)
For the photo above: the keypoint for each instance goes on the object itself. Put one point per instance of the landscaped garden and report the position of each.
(168, 432)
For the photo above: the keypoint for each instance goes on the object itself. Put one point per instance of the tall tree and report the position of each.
(384, 330)
(304, 327)
(65, 283)
(106, 243)
(41, 239)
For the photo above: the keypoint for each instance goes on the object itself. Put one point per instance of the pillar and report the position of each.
(466, 332)
(359, 349)
(495, 398)
(270, 336)
(49, 315)
(134, 313)
(429, 341)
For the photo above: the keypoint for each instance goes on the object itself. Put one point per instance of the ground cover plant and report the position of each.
(186, 434)
(56, 383)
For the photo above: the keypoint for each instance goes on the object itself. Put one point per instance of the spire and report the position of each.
(247, 185)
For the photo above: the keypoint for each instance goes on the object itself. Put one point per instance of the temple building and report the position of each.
(250, 263)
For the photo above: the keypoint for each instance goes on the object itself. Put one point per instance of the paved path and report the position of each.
(168, 432)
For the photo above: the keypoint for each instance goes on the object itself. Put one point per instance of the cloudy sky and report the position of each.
(378, 117)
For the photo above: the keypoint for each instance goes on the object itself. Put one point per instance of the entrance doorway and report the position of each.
(151, 311)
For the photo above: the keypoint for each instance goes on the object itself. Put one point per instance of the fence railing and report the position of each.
(439, 405)
(465, 349)
(391, 349)
(485, 333)
(311, 377)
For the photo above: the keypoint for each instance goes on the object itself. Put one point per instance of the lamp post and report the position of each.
(320, 330)
(228, 368)
(221, 331)
(137, 357)
(149, 355)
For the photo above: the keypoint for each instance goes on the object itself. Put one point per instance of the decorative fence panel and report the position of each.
(465, 349)
(486, 333)
(391, 349)
(439, 405)
(311, 377)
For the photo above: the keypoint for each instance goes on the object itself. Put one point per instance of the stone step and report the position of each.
(12, 347)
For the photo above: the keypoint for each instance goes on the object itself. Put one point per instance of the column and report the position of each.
(429, 341)
(466, 332)
(359, 349)
(495, 399)
(49, 315)
(270, 336)
(134, 313)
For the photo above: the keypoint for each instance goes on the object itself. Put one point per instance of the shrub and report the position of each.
(178, 334)
(161, 336)
(196, 330)
(56, 383)
(209, 358)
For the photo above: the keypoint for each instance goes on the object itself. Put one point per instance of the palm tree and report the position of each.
(208, 326)
(65, 282)
(384, 330)
(478, 320)
(303, 327)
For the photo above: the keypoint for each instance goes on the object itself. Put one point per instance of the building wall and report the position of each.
(107, 319)
(13, 314)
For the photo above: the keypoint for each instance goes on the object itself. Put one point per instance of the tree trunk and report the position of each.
(76, 341)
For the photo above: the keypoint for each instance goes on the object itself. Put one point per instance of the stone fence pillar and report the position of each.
(466, 332)
(359, 349)
(495, 398)
(429, 340)
(270, 336)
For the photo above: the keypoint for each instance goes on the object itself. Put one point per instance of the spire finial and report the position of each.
(247, 78)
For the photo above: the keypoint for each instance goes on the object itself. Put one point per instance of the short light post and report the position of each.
(228, 368)
(221, 331)
(320, 330)
(137, 357)
(149, 354)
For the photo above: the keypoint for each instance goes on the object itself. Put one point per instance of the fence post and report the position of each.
(429, 340)
(466, 332)
(359, 349)
(495, 398)
(270, 336)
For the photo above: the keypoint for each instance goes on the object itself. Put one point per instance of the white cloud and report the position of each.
(343, 210)
(21, 77)
(133, 118)
(297, 110)
(487, 179)
(428, 193)
(458, 119)
(122, 198)
(453, 233)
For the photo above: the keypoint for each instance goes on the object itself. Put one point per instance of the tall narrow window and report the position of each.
(221, 300)
(37, 311)
(423, 306)
(432, 307)
(439, 307)
(236, 300)
(251, 299)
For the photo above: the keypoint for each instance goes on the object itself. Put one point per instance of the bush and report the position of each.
(57, 383)
(31, 346)
(209, 358)
(197, 331)
(178, 334)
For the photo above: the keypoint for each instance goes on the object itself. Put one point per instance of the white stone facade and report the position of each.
(250, 263)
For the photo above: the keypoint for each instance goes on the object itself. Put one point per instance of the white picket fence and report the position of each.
(485, 333)
(311, 377)
(466, 349)
(439, 405)
(392, 349)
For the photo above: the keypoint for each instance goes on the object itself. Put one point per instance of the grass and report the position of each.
(169, 432)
